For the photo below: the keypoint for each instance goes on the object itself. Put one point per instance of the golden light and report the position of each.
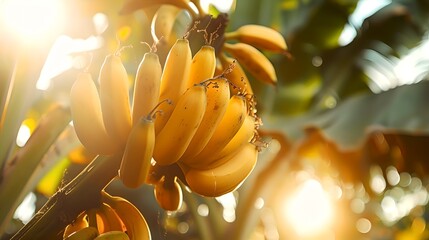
(31, 20)
(309, 210)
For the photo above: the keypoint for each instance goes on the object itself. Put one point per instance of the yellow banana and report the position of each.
(218, 96)
(238, 78)
(241, 138)
(259, 36)
(146, 87)
(86, 233)
(253, 61)
(134, 222)
(222, 179)
(174, 79)
(203, 65)
(79, 223)
(114, 97)
(107, 219)
(168, 194)
(231, 122)
(136, 160)
(177, 133)
(162, 24)
(87, 117)
(112, 235)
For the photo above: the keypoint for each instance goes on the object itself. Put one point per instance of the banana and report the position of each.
(222, 179)
(231, 122)
(136, 160)
(168, 194)
(237, 77)
(147, 85)
(177, 133)
(244, 135)
(253, 61)
(107, 219)
(218, 96)
(174, 79)
(86, 233)
(259, 36)
(79, 223)
(87, 117)
(162, 24)
(203, 65)
(112, 235)
(134, 222)
(114, 98)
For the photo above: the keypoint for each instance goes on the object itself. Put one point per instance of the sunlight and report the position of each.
(222, 6)
(309, 210)
(31, 19)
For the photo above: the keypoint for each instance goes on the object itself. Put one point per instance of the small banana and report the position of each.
(112, 235)
(253, 61)
(168, 194)
(218, 96)
(146, 87)
(136, 160)
(231, 122)
(87, 117)
(79, 223)
(162, 24)
(86, 233)
(203, 65)
(259, 36)
(237, 77)
(177, 133)
(222, 179)
(114, 98)
(134, 222)
(174, 79)
(107, 219)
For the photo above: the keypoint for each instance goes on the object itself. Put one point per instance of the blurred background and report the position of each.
(347, 123)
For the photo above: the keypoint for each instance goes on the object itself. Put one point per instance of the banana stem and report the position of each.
(82, 193)
(201, 223)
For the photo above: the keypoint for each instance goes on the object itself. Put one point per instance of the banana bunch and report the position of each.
(115, 219)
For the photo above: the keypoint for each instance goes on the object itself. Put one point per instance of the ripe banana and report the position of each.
(87, 117)
(174, 79)
(134, 222)
(168, 193)
(222, 179)
(79, 223)
(146, 87)
(86, 233)
(114, 97)
(162, 24)
(136, 160)
(107, 219)
(112, 235)
(231, 122)
(239, 81)
(218, 96)
(259, 36)
(177, 133)
(203, 65)
(253, 61)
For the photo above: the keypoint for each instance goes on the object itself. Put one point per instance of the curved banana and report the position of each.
(79, 223)
(136, 160)
(222, 179)
(114, 97)
(87, 117)
(218, 96)
(168, 194)
(238, 78)
(259, 36)
(174, 79)
(133, 220)
(113, 235)
(107, 219)
(177, 133)
(231, 122)
(203, 65)
(146, 87)
(162, 24)
(254, 61)
(86, 233)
